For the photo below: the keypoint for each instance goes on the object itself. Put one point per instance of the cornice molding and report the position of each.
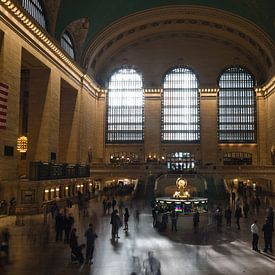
(24, 26)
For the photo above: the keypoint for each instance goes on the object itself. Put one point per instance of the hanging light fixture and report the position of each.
(22, 144)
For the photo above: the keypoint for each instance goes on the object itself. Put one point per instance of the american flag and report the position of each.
(3, 105)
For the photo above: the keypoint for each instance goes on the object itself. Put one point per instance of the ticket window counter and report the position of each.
(80, 188)
(46, 195)
(90, 186)
(58, 192)
(66, 191)
(52, 193)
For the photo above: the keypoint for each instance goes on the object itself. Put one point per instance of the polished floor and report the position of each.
(181, 252)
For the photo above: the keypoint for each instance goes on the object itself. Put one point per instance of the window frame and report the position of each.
(135, 141)
(240, 141)
(187, 158)
(42, 12)
(198, 132)
(71, 40)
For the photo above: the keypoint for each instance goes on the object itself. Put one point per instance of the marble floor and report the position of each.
(181, 252)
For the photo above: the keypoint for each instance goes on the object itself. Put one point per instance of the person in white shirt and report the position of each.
(255, 234)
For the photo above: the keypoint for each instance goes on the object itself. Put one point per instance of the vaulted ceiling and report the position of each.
(109, 33)
(103, 13)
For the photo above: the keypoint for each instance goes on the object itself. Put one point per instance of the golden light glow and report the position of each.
(22, 144)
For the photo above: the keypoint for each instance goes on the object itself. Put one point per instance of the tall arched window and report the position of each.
(236, 106)
(125, 107)
(35, 9)
(180, 107)
(67, 44)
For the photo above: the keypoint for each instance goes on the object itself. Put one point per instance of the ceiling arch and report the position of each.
(101, 14)
(188, 22)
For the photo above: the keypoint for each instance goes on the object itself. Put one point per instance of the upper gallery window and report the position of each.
(180, 119)
(67, 44)
(179, 161)
(236, 106)
(125, 107)
(35, 9)
(237, 158)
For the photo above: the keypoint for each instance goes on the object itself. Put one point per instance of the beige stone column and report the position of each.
(208, 114)
(10, 68)
(100, 118)
(69, 125)
(44, 104)
(152, 114)
(88, 127)
(262, 122)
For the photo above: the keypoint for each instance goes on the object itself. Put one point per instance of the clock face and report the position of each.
(181, 183)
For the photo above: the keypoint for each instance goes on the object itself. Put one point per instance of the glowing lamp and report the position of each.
(22, 144)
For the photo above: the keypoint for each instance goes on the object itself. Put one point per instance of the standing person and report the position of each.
(255, 236)
(154, 215)
(270, 216)
(196, 220)
(112, 222)
(109, 205)
(246, 209)
(238, 203)
(104, 205)
(126, 219)
(174, 219)
(90, 244)
(233, 195)
(120, 205)
(113, 203)
(117, 224)
(59, 226)
(218, 217)
(76, 250)
(268, 230)
(238, 215)
(68, 223)
(151, 265)
(136, 217)
(227, 215)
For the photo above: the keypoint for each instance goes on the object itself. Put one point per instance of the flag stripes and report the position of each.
(4, 91)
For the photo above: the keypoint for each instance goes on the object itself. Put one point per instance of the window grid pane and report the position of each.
(180, 161)
(236, 107)
(34, 8)
(180, 119)
(67, 44)
(125, 107)
(237, 158)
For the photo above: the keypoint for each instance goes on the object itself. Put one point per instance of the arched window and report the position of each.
(125, 107)
(180, 107)
(67, 44)
(236, 106)
(35, 9)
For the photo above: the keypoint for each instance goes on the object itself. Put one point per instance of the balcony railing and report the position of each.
(48, 171)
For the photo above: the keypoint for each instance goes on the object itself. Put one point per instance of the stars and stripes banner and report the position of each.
(3, 105)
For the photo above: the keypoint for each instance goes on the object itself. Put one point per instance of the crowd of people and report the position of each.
(248, 206)
(116, 207)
